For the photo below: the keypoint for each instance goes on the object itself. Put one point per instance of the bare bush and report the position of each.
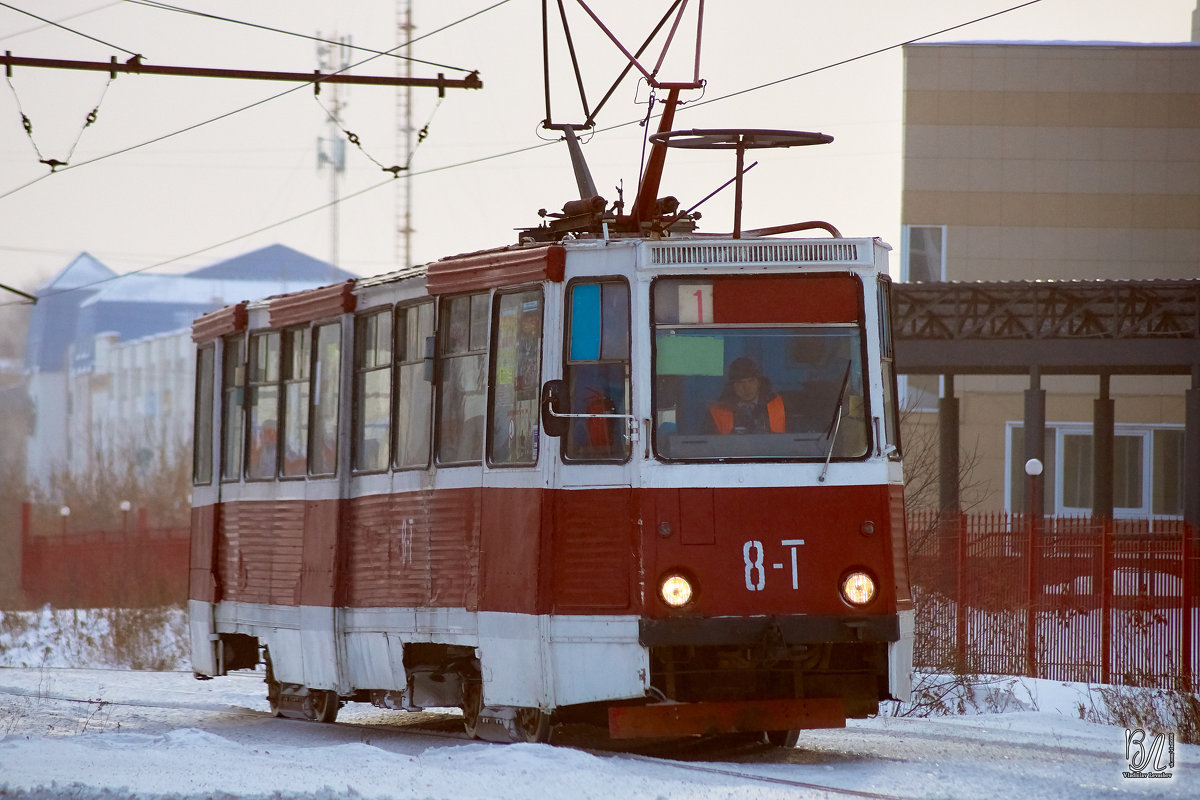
(1150, 707)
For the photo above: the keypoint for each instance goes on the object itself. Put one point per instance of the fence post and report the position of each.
(1035, 500)
(1188, 601)
(1031, 613)
(26, 544)
(960, 591)
(1106, 600)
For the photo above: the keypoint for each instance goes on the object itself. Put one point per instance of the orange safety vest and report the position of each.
(723, 416)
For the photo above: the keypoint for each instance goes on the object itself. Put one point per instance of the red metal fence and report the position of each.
(1101, 603)
(1115, 603)
(135, 568)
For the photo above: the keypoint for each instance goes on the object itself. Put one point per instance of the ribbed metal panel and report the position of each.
(413, 550)
(453, 553)
(376, 556)
(259, 552)
(672, 254)
(593, 555)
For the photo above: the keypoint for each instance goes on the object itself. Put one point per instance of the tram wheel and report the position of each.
(274, 687)
(781, 738)
(273, 692)
(472, 705)
(324, 705)
(532, 725)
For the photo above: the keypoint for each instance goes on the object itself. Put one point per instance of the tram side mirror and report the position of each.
(430, 350)
(554, 401)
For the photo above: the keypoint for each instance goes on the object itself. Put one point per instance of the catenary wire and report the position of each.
(507, 153)
(215, 17)
(77, 14)
(255, 104)
(65, 28)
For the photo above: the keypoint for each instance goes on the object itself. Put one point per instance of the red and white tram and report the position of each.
(620, 471)
(500, 482)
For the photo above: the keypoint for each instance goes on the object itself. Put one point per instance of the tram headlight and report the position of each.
(858, 588)
(676, 590)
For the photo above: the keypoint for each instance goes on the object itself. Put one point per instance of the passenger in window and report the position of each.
(747, 404)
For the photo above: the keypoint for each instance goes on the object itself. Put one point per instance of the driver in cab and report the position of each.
(747, 404)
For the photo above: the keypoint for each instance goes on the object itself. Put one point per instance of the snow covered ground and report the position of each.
(74, 723)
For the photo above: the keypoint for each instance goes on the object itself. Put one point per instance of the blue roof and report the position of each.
(87, 298)
(273, 263)
(83, 270)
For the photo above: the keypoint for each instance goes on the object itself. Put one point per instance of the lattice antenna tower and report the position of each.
(404, 135)
(331, 150)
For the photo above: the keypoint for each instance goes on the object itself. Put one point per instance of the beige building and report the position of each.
(1056, 161)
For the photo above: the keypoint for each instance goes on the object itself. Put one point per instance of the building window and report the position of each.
(516, 379)
(1147, 470)
(1167, 468)
(414, 403)
(923, 253)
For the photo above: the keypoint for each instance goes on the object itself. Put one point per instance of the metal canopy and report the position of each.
(1064, 327)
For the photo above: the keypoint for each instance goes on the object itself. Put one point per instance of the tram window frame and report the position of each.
(462, 350)
(612, 347)
(887, 371)
(514, 384)
(233, 370)
(817, 317)
(202, 424)
(413, 325)
(295, 376)
(373, 343)
(324, 420)
(261, 452)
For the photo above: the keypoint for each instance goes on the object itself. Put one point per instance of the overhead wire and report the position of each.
(27, 123)
(862, 56)
(76, 15)
(207, 248)
(65, 28)
(540, 145)
(255, 104)
(179, 9)
(696, 103)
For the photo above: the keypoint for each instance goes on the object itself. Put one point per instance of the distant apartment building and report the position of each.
(1056, 161)
(109, 361)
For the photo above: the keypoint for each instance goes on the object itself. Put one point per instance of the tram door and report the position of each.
(595, 521)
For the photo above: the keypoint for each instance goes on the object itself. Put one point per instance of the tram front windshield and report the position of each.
(759, 368)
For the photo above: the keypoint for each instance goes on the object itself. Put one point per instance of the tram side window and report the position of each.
(516, 379)
(462, 405)
(262, 406)
(372, 390)
(297, 357)
(323, 442)
(232, 373)
(414, 402)
(891, 418)
(202, 461)
(597, 371)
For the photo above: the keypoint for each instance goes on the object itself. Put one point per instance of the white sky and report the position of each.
(194, 191)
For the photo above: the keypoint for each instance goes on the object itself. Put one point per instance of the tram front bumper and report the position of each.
(659, 720)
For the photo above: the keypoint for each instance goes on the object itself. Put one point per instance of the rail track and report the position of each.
(687, 755)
